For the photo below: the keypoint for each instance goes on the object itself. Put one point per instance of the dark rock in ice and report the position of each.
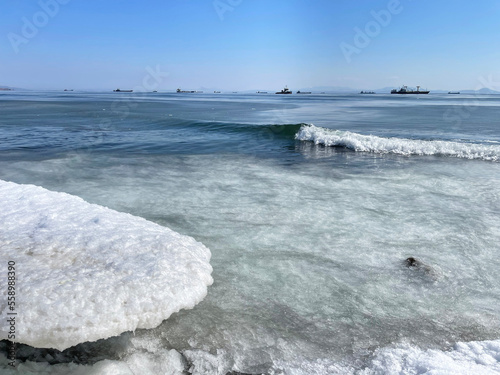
(418, 265)
(413, 262)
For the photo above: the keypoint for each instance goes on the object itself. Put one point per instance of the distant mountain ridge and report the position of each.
(12, 88)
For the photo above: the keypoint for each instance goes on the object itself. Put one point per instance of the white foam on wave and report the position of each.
(86, 272)
(401, 146)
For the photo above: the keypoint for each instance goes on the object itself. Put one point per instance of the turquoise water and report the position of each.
(308, 236)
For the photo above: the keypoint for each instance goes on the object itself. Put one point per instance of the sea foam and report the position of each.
(86, 272)
(401, 146)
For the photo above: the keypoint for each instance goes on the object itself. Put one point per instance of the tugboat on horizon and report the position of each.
(406, 90)
(286, 90)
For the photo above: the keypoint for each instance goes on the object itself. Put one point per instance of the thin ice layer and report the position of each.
(85, 272)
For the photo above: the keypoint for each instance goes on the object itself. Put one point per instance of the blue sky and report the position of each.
(249, 44)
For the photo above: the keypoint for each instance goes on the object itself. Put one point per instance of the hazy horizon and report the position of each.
(208, 90)
(243, 45)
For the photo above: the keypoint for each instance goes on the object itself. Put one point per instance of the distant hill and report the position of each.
(342, 89)
(12, 88)
(384, 90)
(481, 91)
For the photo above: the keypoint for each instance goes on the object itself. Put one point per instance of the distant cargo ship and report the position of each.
(118, 90)
(261, 92)
(5, 89)
(189, 91)
(406, 90)
(286, 90)
(368, 92)
(453, 92)
(303, 92)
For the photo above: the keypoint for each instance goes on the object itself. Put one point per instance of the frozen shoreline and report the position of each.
(146, 356)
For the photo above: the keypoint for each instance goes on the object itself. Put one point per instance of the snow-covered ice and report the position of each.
(85, 272)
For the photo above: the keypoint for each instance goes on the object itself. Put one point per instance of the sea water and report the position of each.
(309, 205)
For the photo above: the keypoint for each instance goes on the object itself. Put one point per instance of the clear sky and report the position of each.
(248, 44)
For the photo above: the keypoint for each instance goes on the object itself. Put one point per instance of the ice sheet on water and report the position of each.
(86, 272)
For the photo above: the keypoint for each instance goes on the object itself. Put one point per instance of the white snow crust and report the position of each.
(85, 272)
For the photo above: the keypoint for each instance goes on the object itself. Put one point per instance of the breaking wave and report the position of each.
(400, 146)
